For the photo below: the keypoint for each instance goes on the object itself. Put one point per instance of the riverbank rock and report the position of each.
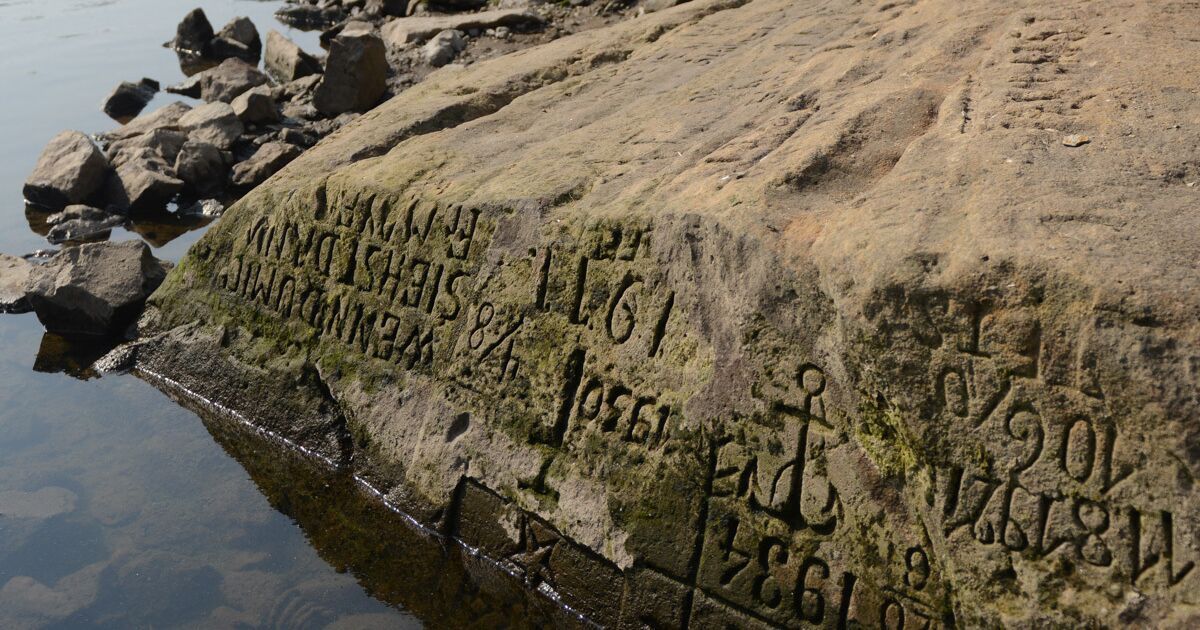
(129, 99)
(755, 314)
(286, 61)
(70, 170)
(214, 123)
(242, 32)
(442, 49)
(355, 76)
(14, 276)
(266, 161)
(96, 288)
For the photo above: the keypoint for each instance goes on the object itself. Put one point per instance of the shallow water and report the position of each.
(118, 506)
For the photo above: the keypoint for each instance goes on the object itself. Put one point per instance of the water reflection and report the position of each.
(392, 558)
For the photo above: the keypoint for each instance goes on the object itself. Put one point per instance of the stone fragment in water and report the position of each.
(243, 31)
(39, 504)
(14, 276)
(222, 83)
(128, 99)
(95, 288)
(193, 33)
(70, 170)
(81, 223)
(355, 78)
(215, 123)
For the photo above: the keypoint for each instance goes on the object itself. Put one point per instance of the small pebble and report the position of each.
(1075, 140)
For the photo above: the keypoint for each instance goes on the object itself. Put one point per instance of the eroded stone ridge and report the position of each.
(808, 352)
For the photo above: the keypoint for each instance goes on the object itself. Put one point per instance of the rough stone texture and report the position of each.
(286, 61)
(144, 180)
(70, 169)
(265, 162)
(164, 142)
(256, 106)
(81, 223)
(193, 33)
(409, 30)
(97, 288)
(14, 276)
(214, 123)
(355, 75)
(222, 83)
(785, 312)
(201, 165)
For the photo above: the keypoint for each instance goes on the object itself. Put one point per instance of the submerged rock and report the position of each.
(70, 170)
(754, 314)
(129, 99)
(214, 123)
(355, 76)
(222, 83)
(96, 288)
(411, 30)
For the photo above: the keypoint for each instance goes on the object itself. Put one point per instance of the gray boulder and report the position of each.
(214, 123)
(70, 169)
(286, 61)
(144, 180)
(242, 31)
(129, 99)
(94, 289)
(166, 117)
(269, 158)
(443, 48)
(201, 166)
(256, 106)
(221, 83)
(14, 276)
(355, 75)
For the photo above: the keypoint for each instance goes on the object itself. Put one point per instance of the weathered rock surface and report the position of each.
(243, 31)
(222, 83)
(96, 288)
(403, 31)
(193, 33)
(286, 61)
(442, 49)
(752, 314)
(81, 223)
(214, 123)
(266, 161)
(201, 165)
(355, 74)
(256, 106)
(70, 170)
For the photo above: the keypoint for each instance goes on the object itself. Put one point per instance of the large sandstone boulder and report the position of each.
(753, 314)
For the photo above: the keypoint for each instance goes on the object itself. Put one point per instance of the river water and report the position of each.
(120, 507)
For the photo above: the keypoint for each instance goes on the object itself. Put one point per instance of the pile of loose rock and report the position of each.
(253, 121)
